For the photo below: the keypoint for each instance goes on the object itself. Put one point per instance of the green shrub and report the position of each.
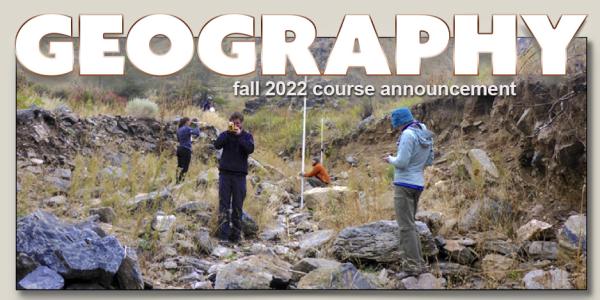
(141, 108)
(27, 97)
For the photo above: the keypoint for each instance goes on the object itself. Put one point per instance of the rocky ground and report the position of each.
(62, 246)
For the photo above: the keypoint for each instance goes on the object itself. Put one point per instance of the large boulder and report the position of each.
(572, 238)
(42, 278)
(75, 251)
(317, 196)
(378, 241)
(342, 276)
(260, 271)
(552, 279)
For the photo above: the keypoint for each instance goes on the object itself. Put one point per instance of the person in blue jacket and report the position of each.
(237, 145)
(185, 131)
(415, 152)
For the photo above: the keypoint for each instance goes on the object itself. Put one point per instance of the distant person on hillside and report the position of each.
(415, 152)
(185, 131)
(318, 176)
(237, 145)
(206, 105)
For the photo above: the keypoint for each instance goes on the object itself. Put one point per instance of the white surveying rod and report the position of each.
(322, 141)
(303, 150)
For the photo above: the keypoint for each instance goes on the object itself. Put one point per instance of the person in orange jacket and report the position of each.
(318, 176)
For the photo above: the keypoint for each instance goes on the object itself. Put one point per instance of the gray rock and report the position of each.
(204, 242)
(129, 274)
(315, 240)
(377, 241)
(105, 214)
(25, 265)
(112, 172)
(221, 252)
(162, 222)
(457, 252)
(307, 226)
(170, 265)
(202, 285)
(484, 213)
(425, 281)
(428, 245)
(480, 166)
(534, 230)
(542, 250)
(572, 238)
(254, 272)
(433, 219)
(156, 199)
(249, 226)
(59, 184)
(526, 121)
(553, 279)
(281, 250)
(299, 217)
(450, 269)
(63, 173)
(191, 277)
(315, 196)
(352, 160)
(502, 247)
(42, 278)
(55, 201)
(76, 251)
(342, 276)
(275, 232)
(306, 265)
(190, 208)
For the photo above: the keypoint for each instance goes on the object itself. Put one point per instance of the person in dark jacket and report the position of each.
(237, 145)
(184, 151)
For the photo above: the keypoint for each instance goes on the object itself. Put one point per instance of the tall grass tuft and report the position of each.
(141, 108)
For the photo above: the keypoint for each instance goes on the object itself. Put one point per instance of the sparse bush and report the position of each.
(26, 97)
(142, 108)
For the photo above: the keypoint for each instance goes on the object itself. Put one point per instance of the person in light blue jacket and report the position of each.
(415, 152)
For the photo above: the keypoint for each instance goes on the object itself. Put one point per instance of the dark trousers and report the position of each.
(232, 191)
(316, 182)
(184, 156)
